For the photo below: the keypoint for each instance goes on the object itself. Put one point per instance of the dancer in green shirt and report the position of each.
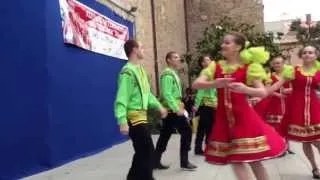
(133, 99)
(171, 98)
(205, 104)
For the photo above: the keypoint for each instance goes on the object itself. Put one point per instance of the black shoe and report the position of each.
(161, 167)
(291, 152)
(315, 174)
(282, 155)
(188, 167)
(199, 152)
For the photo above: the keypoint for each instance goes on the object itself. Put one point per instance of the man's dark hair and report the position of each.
(169, 55)
(129, 46)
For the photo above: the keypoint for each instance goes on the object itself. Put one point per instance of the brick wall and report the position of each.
(202, 13)
(171, 25)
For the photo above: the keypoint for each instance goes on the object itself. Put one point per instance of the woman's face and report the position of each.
(309, 54)
(206, 62)
(277, 64)
(229, 47)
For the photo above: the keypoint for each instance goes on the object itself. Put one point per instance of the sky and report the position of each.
(275, 10)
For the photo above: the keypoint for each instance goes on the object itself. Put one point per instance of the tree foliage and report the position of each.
(307, 35)
(212, 38)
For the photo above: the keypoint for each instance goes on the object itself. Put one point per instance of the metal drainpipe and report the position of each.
(187, 35)
(186, 24)
(155, 46)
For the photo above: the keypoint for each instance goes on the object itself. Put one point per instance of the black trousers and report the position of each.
(141, 168)
(171, 123)
(207, 116)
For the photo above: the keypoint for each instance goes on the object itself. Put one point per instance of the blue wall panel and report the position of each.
(56, 99)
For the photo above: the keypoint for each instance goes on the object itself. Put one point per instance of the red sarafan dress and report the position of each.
(239, 134)
(302, 118)
(261, 106)
(276, 106)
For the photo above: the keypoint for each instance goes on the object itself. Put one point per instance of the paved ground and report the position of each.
(114, 163)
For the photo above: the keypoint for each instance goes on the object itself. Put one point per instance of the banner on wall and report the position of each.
(88, 29)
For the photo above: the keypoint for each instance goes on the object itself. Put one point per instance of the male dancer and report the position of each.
(205, 104)
(171, 96)
(132, 102)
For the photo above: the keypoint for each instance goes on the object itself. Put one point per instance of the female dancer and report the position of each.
(239, 134)
(276, 106)
(301, 121)
(272, 108)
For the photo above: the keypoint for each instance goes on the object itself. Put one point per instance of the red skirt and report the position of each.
(247, 139)
(274, 112)
(261, 107)
(301, 122)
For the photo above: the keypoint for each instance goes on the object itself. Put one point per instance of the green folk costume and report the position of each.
(206, 97)
(171, 90)
(171, 96)
(134, 96)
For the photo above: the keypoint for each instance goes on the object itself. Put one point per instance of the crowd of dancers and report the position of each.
(246, 114)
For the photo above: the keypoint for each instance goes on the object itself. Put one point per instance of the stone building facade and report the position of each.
(163, 25)
(202, 13)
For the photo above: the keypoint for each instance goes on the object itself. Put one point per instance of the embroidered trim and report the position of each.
(228, 105)
(238, 146)
(307, 100)
(311, 72)
(304, 131)
(274, 118)
(282, 101)
(229, 68)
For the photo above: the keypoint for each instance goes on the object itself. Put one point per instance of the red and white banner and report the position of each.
(88, 29)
